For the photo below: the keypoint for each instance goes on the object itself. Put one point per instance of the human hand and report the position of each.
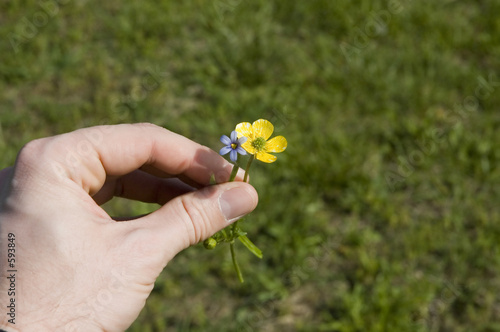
(77, 269)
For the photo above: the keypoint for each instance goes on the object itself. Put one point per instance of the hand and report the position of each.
(77, 269)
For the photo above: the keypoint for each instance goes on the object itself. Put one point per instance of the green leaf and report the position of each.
(250, 246)
(212, 179)
(224, 234)
(239, 232)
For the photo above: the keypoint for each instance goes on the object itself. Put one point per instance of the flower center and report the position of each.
(259, 144)
(234, 146)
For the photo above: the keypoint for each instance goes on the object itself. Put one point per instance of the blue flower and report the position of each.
(233, 145)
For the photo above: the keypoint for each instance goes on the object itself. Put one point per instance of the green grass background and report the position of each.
(383, 213)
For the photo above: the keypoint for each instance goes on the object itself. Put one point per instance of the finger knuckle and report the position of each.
(31, 155)
(195, 219)
(148, 126)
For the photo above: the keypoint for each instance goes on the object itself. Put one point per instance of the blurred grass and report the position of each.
(382, 215)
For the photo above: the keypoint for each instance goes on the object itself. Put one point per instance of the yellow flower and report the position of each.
(257, 144)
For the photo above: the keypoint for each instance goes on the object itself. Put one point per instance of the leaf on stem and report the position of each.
(212, 179)
(250, 246)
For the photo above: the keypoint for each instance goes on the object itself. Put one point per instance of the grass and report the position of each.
(382, 215)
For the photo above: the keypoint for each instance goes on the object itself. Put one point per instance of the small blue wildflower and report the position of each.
(233, 145)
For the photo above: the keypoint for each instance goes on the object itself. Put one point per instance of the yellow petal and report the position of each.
(277, 144)
(262, 128)
(244, 129)
(248, 147)
(265, 157)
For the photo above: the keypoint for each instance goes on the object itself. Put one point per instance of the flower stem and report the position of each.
(252, 157)
(235, 263)
(234, 227)
(234, 172)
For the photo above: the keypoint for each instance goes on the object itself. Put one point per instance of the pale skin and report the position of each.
(78, 269)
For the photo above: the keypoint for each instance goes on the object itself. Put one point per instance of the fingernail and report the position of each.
(235, 203)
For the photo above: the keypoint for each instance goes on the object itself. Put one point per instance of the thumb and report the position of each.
(193, 217)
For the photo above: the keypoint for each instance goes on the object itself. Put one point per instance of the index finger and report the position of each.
(88, 155)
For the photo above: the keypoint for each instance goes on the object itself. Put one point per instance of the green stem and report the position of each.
(234, 227)
(252, 157)
(234, 172)
(235, 263)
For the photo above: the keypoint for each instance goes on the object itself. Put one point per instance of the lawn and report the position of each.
(382, 215)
